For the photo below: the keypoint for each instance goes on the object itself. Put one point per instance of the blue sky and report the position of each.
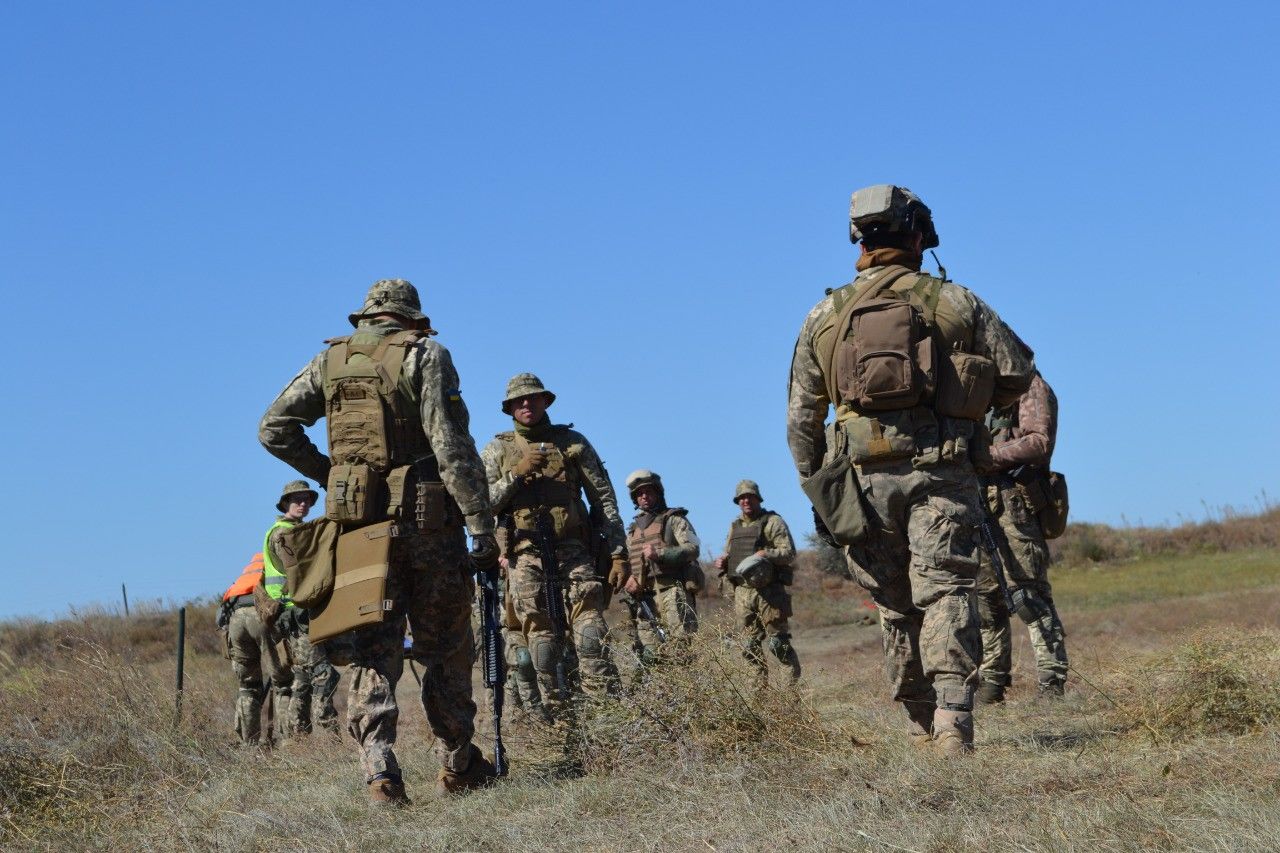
(639, 202)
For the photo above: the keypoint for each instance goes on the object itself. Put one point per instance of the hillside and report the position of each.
(1167, 739)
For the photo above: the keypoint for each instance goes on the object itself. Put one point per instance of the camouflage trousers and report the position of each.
(254, 656)
(430, 584)
(1026, 561)
(764, 614)
(918, 563)
(315, 680)
(585, 615)
(674, 610)
(522, 678)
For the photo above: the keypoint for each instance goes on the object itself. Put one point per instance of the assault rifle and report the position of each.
(552, 594)
(644, 606)
(1016, 607)
(493, 662)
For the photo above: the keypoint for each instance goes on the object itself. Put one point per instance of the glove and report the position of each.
(531, 462)
(820, 528)
(484, 552)
(618, 571)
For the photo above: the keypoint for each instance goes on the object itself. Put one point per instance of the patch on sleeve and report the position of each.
(454, 395)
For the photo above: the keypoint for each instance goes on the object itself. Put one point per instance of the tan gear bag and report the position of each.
(268, 608)
(363, 558)
(308, 557)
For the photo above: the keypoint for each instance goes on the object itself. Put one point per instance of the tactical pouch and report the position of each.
(965, 384)
(891, 435)
(268, 608)
(433, 506)
(1046, 496)
(886, 362)
(360, 583)
(833, 491)
(308, 557)
(353, 494)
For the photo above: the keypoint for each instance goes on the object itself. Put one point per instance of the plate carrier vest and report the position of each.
(655, 533)
(556, 491)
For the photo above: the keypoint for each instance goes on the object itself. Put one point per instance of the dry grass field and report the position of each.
(1169, 738)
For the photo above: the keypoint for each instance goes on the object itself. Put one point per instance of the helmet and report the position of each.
(292, 488)
(887, 209)
(640, 478)
(394, 296)
(524, 385)
(755, 571)
(746, 487)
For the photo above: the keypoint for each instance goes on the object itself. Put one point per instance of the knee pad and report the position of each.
(543, 653)
(524, 664)
(591, 642)
(780, 645)
(1028, 606)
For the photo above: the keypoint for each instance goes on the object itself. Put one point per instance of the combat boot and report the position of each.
(989, 693)
(919, 720)
(388, 792)
(1050, 690)
(952, 732)
(480, 773)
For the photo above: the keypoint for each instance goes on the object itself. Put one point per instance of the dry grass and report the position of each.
(1181, 752)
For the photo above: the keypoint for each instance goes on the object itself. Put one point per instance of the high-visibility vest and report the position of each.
(272, 577)
(248, 579)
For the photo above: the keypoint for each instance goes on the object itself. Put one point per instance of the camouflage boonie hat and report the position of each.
(889, 209)
(640, 478)
(746, 487)
(394, 296)
(296, 487)
(524, 385)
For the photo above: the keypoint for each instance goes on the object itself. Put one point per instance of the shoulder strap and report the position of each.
(869, 292)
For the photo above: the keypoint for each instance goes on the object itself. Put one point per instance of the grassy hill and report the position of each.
(1167, 738)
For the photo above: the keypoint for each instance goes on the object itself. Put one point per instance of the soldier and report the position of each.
(253, 654)
(522, 678)
(911, 363)
(1023, 435)
(390, 397)
(761, 600)
(537, 473)
(663, 549)
(315, 680)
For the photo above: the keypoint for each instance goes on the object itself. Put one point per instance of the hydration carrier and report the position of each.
(372, 427)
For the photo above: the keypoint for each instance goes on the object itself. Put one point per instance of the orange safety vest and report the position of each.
(248, 579)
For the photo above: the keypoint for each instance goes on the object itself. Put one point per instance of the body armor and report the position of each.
(556, 490)
(653, 534)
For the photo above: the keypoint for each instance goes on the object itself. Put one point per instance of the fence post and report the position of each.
(182, 648)
(124, 593)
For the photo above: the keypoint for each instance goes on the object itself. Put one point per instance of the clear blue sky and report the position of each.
(639, 202)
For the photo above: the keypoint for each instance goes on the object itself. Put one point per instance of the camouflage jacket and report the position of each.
(445, 421)
(1024, 433)
(586, 470)
(780, 548)
(807, 398)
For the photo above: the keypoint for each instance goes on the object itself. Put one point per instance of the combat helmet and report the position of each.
(642, 477)
(524, 385)
(294, 487)
(394, 296)
(888, 209)
(755, 571)
(746, 487)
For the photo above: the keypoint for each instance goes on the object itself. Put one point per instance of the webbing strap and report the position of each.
(355, 576)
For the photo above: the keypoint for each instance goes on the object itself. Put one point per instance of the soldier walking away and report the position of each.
(397, 429)
(758, 558)
(663, 549)
(537, 474)
(1022, 439)
(254, 657)
(911, 363)
(315, 680)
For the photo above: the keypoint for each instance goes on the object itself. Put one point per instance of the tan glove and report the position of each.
(531, 462)
(618, 572)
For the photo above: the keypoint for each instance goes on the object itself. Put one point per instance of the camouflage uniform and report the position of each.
(430, 572)
(574, 467)
(666, 580)
(253, 656)
(315, 680)
(920, 489)
(764, 613)
(1022, 435)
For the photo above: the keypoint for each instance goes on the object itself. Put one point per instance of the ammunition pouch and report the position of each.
(363, 560)
(1046, 495)
(833, 490)
(353, 494)
(268, 608)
